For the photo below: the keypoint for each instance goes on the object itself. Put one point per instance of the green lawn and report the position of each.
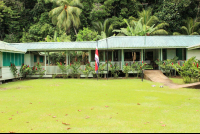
(41, 105)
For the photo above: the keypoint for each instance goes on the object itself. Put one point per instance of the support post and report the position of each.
(69, 56)
(48, 59)
(112, 55)
(186, 51)
(89, 57)
(104, 56)
(66, 58)
(141, 57)
(45, 62)
(122, 59)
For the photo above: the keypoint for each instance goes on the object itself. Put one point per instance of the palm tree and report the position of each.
(66, 14)
(191, 28)
(150, 20)
(137, 29)
(104, 29)
(62, 38)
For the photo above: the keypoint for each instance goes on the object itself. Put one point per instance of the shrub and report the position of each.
(75, 69)
(126, 69)
(166, 65)
(63, 69)
(136, 66)
(13, 69)
(114, 68)
(189, 70)
(88, 69)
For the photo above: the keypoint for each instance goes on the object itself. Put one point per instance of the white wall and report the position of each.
(195, 52)
(171, 53)
(7, 74)
(29, 59)
(1, 63)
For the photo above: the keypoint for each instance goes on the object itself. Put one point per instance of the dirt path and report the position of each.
(158, 76)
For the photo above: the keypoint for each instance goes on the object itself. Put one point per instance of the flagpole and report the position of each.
(107, 58)
(97, 65)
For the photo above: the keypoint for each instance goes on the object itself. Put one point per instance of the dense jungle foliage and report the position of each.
(85, 20)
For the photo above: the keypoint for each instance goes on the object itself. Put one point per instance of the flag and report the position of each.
(96, 60)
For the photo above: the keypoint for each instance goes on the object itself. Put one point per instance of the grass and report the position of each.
(113, 106)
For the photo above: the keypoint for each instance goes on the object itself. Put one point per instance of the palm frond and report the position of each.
(120, 34)
(109, 31)
(185, 30)
(55, 35)
(145, 14)
(103, 35)
(56, 11)
(62, 2)
(76, 3)
(132, 20)
(194, 33)
(196, 27)
(129, 28)
(176, 33)
(152, 20)
(162, 25)
(159, 32)
(97, 26)
(106, 24)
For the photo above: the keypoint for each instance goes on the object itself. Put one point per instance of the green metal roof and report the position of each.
(6, 47)
(115, 42)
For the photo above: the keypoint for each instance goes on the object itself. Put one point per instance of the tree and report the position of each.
(191, 28)
(105, 29)
(149, 20)
(87, 35)
(66, 14)
(174, 12)
(137, 29)
(63, 38)
(38, 31)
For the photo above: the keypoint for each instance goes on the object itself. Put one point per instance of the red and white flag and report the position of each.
(96, 60)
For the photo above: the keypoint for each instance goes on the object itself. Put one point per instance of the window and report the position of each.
(41, 59)
(35, 58)
(16, 58)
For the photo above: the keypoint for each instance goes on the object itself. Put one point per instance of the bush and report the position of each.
(126, 69)
(88, 69)
(13, 69)
(63, 69)
(136, 66)
(189, 70)
(114, 68)
(166, 65)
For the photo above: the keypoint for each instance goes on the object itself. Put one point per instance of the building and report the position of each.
(121, 50)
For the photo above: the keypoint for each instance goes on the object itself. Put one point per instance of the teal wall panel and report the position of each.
(12, 60)
(16, 59)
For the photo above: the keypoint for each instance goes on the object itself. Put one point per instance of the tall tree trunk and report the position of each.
(75, 30)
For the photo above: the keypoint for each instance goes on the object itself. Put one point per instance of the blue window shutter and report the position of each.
(4, 58)
(12, 58)
(41, 59)
(35, 58)
(20, 59)
(16, 59)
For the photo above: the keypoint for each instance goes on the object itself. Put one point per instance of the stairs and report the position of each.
(156, 76)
